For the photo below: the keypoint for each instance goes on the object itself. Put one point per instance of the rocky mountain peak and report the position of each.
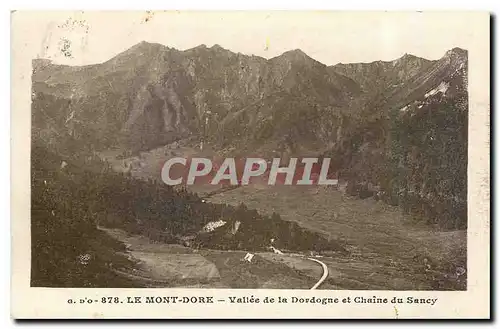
(296, 56)
(457, 51)
(408, 57)
(456, 55)
(146, 46)
(217, 47)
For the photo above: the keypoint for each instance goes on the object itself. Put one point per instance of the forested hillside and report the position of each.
(70, 202)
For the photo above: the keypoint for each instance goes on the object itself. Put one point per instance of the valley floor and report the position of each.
(167, 265)
(386, 249)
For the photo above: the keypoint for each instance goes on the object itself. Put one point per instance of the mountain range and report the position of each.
(396, 128)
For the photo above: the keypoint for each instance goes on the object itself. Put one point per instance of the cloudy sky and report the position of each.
(329, 37)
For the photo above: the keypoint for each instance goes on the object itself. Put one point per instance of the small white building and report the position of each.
(213, 225)
(248, 257)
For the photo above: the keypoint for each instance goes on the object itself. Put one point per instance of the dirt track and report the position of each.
(325, 273)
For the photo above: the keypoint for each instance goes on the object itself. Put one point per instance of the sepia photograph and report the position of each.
(263, 150)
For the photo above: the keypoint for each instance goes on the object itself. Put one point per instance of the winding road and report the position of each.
(325, 273)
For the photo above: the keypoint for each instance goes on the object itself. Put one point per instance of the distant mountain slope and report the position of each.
(411, 147)
(151, 94)
(380, 75)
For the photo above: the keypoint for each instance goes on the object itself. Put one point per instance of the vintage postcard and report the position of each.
(230, 165)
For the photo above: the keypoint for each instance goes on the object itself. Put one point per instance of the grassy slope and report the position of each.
(387, 250)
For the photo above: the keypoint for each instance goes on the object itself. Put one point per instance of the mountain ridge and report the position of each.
(289, 105)
(186, 84)
(217, 46)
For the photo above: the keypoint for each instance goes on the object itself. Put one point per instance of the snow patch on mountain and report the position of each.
(442, 88)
